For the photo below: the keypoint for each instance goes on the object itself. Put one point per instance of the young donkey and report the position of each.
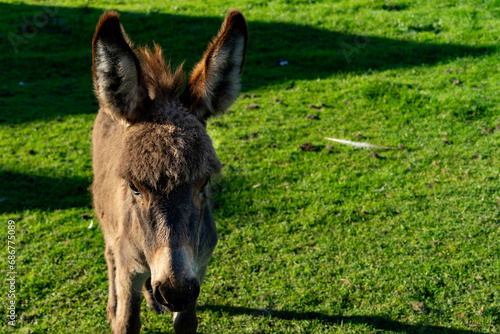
(152, 161)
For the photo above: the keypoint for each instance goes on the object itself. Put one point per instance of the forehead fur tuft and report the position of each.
(167, 154)
(161, 81)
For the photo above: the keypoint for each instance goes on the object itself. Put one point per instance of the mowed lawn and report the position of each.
(315, 236)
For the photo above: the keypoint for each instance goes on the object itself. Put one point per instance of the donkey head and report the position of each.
(165, 155)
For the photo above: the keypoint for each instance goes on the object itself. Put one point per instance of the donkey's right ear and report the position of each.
(117, 71)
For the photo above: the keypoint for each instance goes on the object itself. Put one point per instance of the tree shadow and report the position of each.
(48, 51)
(376, 322)
(23, 192)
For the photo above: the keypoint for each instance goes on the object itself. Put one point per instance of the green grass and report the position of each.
(335, 240)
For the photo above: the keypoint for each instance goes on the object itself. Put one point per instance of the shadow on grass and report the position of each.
(48, 50)
(21, 192)
(376, 322)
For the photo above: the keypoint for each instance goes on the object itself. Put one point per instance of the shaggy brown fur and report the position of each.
(175, 151)
(152, 160)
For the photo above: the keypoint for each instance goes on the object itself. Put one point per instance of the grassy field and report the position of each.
(315, 238)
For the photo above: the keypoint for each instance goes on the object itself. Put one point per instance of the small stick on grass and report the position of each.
(360, 144)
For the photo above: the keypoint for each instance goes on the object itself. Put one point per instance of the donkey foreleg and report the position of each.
(128, 288)
(111, 308)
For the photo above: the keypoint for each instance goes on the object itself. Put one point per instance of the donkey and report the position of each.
(152, 162)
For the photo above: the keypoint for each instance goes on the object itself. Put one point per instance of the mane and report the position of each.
(161, 81)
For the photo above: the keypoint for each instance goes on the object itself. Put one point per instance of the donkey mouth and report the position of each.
(177, 308)
(177, 300)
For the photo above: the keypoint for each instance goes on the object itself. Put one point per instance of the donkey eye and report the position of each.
(135, 191)
(204, 186)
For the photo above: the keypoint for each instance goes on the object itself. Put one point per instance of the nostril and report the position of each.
(193, 289)
(158, 294)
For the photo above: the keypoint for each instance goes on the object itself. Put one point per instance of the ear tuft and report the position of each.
(116, 70)
(215, 81)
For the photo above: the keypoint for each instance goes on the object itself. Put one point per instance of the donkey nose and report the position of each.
(177, 298)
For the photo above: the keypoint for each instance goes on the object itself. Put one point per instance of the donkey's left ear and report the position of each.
(215, 82)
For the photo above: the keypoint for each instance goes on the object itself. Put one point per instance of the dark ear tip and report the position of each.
(109, 23)
(234, 18)
(234, 12)
(108, 14)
